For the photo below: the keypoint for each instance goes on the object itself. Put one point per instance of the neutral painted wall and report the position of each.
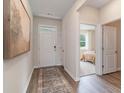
(50, 22)
(88, 15)
(17, 71)
(107, 13)
(110, 12)
(91, 40)
(71, 38)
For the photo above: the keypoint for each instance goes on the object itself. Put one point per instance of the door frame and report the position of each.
(102, 25)
(95, 42)
(38, 53)
(98, 45)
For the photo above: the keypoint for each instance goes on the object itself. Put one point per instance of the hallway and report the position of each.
(42, 42)
(41, 79)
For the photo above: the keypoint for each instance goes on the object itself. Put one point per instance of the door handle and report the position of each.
(116, 51)
(54, 48)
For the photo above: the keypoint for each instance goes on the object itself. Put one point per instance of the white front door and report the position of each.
(47, 46)
(109, 49)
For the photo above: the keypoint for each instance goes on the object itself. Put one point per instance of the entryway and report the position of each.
(47, 46)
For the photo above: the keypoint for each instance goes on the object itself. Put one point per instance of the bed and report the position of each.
(89, 56)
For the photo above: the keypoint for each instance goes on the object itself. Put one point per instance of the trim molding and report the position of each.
(28, 81)
(77, 79)
(58, 64)
(119, 69)
(35, 67)
(69, 73)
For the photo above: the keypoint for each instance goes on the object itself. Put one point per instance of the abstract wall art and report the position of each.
(16, 29)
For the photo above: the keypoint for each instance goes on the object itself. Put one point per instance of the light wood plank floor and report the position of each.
(100, 84)
(110, 83)
(87, 68)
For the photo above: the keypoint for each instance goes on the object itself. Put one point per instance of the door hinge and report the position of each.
(116, 51)
(63, 50)
(102, 66)
(102, 48)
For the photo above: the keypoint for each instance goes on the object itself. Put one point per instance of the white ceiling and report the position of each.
(97, 3)
(50, 8)
(58, 8)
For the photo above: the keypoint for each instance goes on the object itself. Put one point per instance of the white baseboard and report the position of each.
(36, 67)
(119, 69)
(74, 78)
(58, 64)
(77, 79)
(28, 81)
(47, 66)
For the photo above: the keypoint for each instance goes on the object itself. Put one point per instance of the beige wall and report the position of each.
(92, 40)
(105, 14)
(50, 22)
(71, 32)
(110, 12)
(17, 71)
(117, 24)
(88, 15)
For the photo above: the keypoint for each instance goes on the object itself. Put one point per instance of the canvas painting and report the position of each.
(18, 37)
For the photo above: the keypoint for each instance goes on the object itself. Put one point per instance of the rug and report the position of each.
(51, 80)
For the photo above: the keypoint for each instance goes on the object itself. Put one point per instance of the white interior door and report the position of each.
(109, 49)
(47, 46)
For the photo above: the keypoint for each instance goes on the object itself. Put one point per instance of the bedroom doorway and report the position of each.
(87, 49)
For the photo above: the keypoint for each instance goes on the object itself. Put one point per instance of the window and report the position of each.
(47, 28)
(84, 41)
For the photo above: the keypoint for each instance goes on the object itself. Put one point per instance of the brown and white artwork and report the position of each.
(18, 36)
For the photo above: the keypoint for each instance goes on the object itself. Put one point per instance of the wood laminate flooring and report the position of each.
(87, 68)
(110, 83)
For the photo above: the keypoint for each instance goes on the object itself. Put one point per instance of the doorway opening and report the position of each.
(87, 49)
